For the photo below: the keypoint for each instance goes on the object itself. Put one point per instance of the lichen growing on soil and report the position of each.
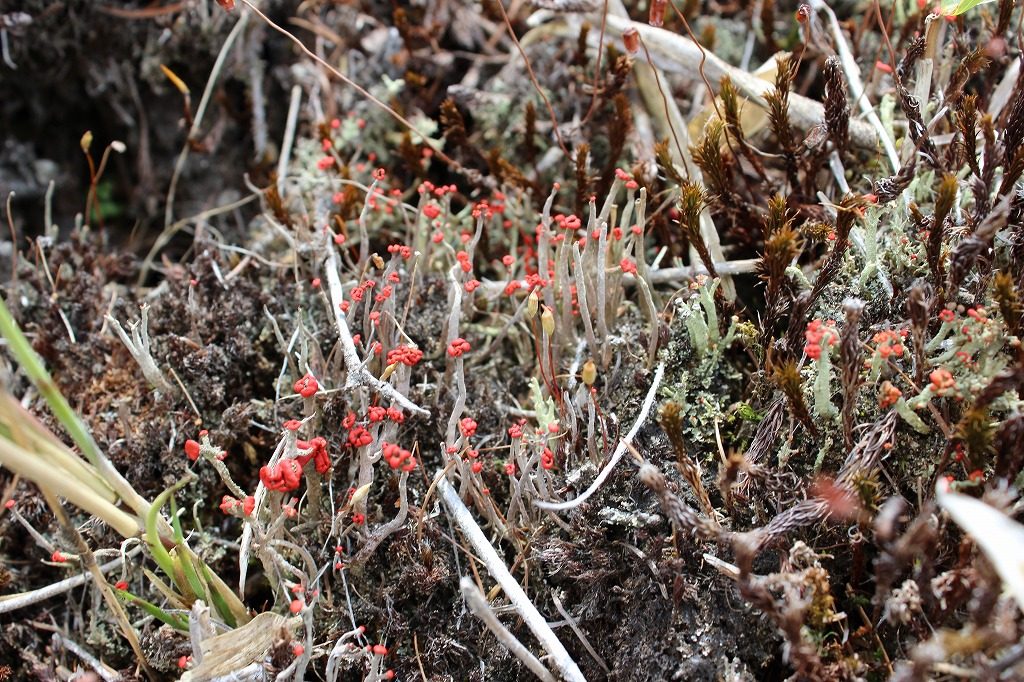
(718, 345)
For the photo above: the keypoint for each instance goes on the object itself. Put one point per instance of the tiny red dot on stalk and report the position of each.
(656, 16)
(631, 39)
(547, 463)
(458, 347)
(889, 395)
(283, 476)
(467, 426)
(306, 386)
(227, 503)
(359, 437)
(406, 355)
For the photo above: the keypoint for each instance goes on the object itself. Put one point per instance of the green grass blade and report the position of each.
(218, 600)
(955, 10)
(33, 366)
(156, 546)
(175, 599)
(223, 592)
(174, 620)
(36, 371)
(184, 555)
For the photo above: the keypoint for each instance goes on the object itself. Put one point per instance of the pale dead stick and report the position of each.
(13, 602)
(481, 609)
(358, 375)
(620, 450)
(677, 54)
(849, 64)
(170, 227)
(665, 110)
(496, 567)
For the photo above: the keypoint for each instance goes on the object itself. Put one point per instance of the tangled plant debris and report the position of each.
(576, 340)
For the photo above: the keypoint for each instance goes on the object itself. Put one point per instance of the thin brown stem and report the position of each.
(438, 153)
(533, 77)
(668, 115)
(14, 239)
(597, 65)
